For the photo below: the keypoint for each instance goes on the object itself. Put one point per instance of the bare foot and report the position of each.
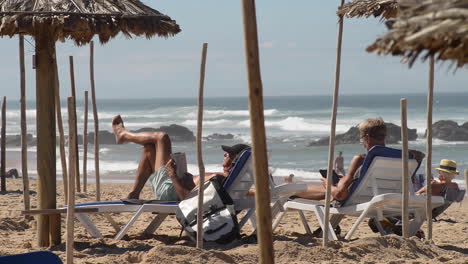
(133, 195)
(119, 129)
(171, 168)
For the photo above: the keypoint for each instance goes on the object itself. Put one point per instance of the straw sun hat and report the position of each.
(449, 166)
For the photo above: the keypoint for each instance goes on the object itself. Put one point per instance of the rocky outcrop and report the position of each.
(15, 140)
(217, 136)
(176, 133)
(450, 131)
(352, 136)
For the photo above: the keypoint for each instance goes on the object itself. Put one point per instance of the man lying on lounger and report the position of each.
(157, 165)
(372, 132)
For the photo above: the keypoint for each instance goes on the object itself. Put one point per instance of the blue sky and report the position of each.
(297, 49)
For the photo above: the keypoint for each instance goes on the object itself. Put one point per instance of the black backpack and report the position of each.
(220, 223)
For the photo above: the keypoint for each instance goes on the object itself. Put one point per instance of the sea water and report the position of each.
(291, 123)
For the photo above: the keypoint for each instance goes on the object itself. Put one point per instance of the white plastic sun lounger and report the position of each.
(238, 183)
(376, 193)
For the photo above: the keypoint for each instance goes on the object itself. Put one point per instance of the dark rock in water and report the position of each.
(465, 125)
(217, 136)
(105, 138)
(450, 131)
(394, 134)
(352, 136)
(176, 133)
(15, 140)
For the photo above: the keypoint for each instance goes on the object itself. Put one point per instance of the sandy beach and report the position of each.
(292, 245)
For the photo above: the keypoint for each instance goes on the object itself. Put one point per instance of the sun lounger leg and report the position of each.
(112, 222)
(155, 223)
(278, 219)
(88, 225)
(319, 212)
(357, 223)
(247, 217)
(335, 219)
(416, 222)
(304, 222)
(130, 223)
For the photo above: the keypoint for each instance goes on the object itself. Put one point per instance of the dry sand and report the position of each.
(292, 245)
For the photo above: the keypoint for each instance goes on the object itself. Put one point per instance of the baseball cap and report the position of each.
(235, 149)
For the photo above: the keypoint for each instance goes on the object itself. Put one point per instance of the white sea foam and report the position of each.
(230, 113)
(300, 124)
(207, 123)
(109, 166)
(309, 175)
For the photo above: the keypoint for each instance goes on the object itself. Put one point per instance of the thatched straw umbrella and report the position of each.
(437, 28)
(428, 27)
(358, 8)
(79, 20)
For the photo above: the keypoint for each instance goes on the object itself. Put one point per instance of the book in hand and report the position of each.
(181, 164)
(335, 178)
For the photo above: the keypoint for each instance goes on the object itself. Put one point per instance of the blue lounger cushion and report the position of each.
(36, 257)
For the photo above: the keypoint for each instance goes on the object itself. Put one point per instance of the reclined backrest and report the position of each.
(241, 177)
(381, 172)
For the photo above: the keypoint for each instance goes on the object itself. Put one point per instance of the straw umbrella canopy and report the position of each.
(358, 8)
(78, 20)
(427, 27)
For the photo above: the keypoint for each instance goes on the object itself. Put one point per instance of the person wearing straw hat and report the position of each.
(157, 165)
(447, 170)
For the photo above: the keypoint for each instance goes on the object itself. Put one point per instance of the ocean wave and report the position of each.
(438, 142)
(207, 123)
(232, 113)
(309, 175)
(108, 166)
(300, 124)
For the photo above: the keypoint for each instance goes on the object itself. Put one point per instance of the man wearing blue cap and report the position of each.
(157, 166)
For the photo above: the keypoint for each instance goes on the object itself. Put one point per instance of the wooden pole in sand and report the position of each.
(73, 92)
(96, 122)
(2, 151)
(430, 100)
(201, 166)
(63, 155)
(257, 130)
(331, 147)
(71, 186)
(48, 226)
(405, 178)
(24, 136)
(466, 180)
(85, 144)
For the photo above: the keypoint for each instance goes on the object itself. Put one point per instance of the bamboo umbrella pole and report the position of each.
(73, 92)
(331, 147)
(58, 110)
(47, 225)
(257, 130)
(85, 143)
(71, 186)
(24, 136)
(201, 166)
(96, 122)
(466, 180)
(405, 183)
(2, 151)
(430, 100)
